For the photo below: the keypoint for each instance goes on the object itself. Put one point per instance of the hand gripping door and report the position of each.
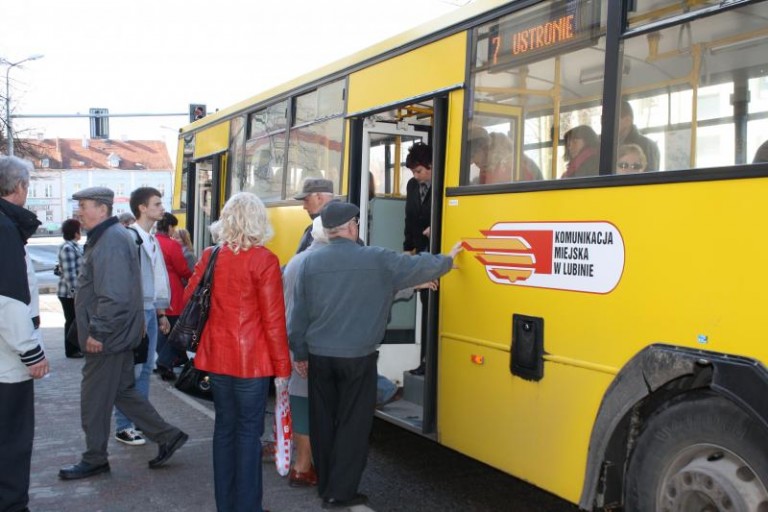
(189, 327)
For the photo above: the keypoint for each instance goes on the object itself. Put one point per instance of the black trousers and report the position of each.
(17, 429)
(68, 306)
(342, 400)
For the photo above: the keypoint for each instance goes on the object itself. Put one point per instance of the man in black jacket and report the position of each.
(418, 212)
(21, 356)
(629, 134)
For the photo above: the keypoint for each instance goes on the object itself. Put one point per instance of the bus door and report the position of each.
(204, 199)
(383, 181)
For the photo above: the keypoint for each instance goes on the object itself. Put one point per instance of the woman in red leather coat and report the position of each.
(243, 345)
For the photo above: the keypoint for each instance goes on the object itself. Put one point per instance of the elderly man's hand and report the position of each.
(39, 369)
(302, 368)
(93, 346)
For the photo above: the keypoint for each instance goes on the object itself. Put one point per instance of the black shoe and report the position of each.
(419, 370)
(76, 355)
(166, 374)
(166, 450)
(359, 499)
(82, 470)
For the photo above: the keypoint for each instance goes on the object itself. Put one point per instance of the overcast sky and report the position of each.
(157, 56)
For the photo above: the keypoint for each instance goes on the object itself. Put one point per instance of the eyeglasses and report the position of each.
(356, 221)
(626, 165)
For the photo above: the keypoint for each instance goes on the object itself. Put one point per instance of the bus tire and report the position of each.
(700, 452)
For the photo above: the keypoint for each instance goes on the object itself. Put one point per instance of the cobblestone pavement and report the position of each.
(184, 484)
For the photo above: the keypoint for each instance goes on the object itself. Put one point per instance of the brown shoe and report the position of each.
(306, 479)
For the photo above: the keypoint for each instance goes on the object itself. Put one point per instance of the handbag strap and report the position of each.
(207, 280)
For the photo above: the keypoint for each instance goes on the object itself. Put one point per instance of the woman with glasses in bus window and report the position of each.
(631, 159)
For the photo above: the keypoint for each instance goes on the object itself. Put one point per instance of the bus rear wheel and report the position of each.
(702, 454)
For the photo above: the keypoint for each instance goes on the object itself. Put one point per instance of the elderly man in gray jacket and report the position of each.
(341, 303)
(110, 324)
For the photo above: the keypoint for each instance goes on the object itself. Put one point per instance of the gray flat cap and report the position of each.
(336, 213)
(102, 195)
(312, 185)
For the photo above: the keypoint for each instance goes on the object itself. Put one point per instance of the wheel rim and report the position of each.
(710, 478)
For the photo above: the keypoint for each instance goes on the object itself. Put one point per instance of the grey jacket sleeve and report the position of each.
(408, 271)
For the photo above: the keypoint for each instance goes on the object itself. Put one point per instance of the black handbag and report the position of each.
(141, 353)
(185, 335)
(194, 382)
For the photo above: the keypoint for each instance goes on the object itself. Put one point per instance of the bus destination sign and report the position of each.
(549, 28)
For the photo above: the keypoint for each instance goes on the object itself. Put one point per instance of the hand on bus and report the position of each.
(456, 249)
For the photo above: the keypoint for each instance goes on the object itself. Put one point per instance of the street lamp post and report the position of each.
(8, 121)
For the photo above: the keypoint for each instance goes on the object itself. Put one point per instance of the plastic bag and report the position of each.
(282, 427)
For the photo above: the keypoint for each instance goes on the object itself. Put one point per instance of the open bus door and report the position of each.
(382, 188)
(204, 194)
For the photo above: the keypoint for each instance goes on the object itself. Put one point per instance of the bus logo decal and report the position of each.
(574, 256)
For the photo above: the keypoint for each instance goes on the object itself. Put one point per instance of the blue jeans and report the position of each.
(143, 371)
(240, 405)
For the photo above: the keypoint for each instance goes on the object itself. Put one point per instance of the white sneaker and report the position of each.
(130, 437)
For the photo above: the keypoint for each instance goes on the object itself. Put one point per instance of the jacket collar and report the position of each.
(95, 233)
(26, 221)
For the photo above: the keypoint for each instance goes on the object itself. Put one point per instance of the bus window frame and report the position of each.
(616, 32)
(733, 172)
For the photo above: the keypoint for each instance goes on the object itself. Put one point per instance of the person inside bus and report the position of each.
(582, 152)
(501, 163)
(631, 159)
(479, 145)
(761, 155)
(629, 134)
(418, 211)
(315, 194)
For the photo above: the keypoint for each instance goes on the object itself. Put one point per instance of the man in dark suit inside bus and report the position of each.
(418, 211)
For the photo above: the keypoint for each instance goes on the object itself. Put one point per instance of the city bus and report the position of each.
(600, 337)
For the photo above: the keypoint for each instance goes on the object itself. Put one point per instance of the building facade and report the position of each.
(64, 166)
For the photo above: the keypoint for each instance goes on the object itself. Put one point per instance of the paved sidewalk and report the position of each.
(184, 484)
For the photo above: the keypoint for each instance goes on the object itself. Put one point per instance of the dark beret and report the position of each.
(336, 213)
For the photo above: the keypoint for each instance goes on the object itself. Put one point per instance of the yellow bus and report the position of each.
(602, 162)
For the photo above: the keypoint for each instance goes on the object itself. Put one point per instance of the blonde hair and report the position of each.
(626, 149)
(184, 237)
(243, 223)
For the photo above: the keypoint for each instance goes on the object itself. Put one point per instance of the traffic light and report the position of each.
(196, 111)
(99, 123)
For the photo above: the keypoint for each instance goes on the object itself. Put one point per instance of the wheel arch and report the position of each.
(650, 379)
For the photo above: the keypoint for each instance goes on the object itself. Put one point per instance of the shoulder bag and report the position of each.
(186, 333)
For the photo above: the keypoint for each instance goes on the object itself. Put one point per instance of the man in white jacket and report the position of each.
(22, 357)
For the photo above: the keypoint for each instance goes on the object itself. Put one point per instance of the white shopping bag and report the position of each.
(282, 427)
